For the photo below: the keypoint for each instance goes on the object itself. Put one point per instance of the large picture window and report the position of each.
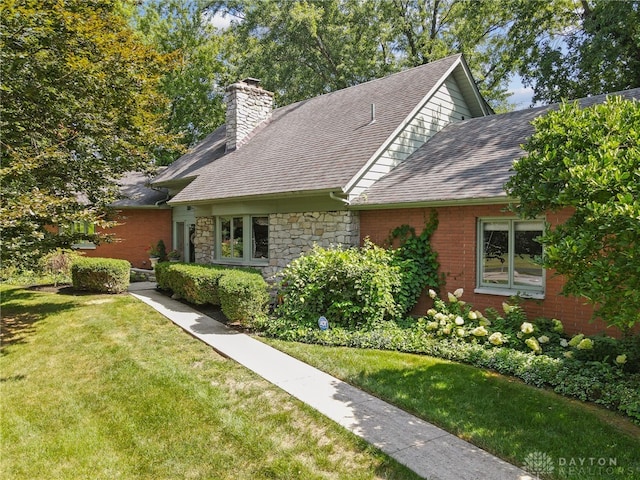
(508, 251)
(243, 239)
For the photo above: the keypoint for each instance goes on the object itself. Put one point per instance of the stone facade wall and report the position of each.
(291, 234)
(247, 105)
(204, 240)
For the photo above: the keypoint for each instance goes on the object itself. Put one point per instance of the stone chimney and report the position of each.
(248, 105)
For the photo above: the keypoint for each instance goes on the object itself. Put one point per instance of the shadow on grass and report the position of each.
(487, 409)
(20, 313)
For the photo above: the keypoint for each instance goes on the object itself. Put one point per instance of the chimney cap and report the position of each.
(255, 82)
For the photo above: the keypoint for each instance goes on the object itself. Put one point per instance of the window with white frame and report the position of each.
(508, 251)
(242, 239)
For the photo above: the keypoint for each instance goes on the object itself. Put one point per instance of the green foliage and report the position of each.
(196, 88)
(417, 261)
(159, 250)
(100, 275)
(58, 264)
(197, 284)
(244, 296)
(303, 49)
(350, 287)
(79, 108)
(599, 52)
(242, 293)
(588, 159)
(598, 369)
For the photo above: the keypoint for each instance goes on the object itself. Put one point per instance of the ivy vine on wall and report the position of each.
(417, 260)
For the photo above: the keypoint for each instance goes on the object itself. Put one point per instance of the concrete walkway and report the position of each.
(428, 450)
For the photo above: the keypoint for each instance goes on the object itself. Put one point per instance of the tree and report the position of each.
(79, 108)
(183, 28)
(305, 48)
(598, 52)
(588, 160)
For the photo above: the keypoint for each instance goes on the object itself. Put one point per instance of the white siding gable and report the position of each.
(446, 105)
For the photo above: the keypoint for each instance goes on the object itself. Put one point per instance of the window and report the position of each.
(243, 239)
(82, 228)
(508, 250)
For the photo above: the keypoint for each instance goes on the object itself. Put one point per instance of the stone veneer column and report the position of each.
(291, 234)
(204, 240)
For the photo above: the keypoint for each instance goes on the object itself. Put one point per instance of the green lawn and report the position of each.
(500, 414)
(103, 387)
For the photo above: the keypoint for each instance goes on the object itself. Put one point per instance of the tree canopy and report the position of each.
(196, 86)
(588, 160)
(80, 107)
(598, 51)
(305, 48)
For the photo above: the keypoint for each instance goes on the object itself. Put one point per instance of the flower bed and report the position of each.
(600, 369)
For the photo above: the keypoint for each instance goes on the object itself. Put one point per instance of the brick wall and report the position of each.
(138, 229)
(455, 242)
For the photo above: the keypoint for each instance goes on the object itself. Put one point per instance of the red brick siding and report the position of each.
(138, 229)
(455, 243)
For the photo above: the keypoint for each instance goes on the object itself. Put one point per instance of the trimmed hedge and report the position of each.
(244, 296)
(100, 275)
(197, 284)
(242, 293)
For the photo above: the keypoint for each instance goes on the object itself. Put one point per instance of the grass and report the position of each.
(499, 414)
(103, 387)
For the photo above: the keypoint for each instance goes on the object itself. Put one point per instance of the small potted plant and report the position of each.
(173, 256)
(157, 253)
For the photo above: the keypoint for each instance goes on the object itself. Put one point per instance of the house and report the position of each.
(356, 163)
(143, 218)
(482, 247)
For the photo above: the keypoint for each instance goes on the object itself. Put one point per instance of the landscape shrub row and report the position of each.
(242, 293)
(330, 282)
(100, 275)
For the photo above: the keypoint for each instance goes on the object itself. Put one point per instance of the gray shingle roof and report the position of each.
(136, 192)
(198, 157)
(468, 160)
(313, 145)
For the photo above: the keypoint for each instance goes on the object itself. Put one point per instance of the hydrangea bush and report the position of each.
(600, 369)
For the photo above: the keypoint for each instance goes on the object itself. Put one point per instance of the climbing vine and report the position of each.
(418, 262)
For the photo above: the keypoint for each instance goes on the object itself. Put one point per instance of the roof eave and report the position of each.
(267, 196)
(501, 200)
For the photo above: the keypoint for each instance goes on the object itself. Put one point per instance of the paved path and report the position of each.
(428, 450)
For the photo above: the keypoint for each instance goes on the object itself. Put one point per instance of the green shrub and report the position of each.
(242, 293)
(244, 296)
(197, 284)
(101, 275)
(597, 369)
(57, 264)
(350, 287)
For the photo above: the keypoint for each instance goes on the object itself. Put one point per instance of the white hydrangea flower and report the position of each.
(526, 328)
(459, 321)
(458, 293)
(479, 332)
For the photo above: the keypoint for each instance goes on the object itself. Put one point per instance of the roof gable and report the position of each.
(318, 144)
(468, 161)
